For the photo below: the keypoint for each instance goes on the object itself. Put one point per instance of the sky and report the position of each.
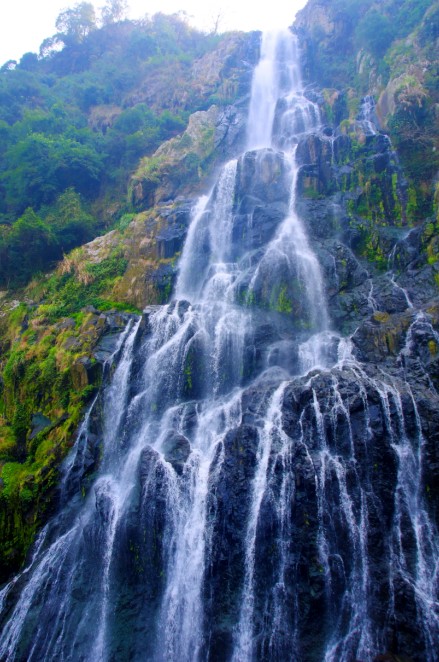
(24, 24)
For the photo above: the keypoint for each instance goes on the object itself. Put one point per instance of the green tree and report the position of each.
(69, 221)
(114, 11)
(39, 167)
(28, 247)
(75, 23)
(29, 62)
(375, 32)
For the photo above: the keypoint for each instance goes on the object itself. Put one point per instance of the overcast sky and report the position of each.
(25, 23)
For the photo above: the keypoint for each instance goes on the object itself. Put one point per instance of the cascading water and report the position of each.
(366, 116)
(241, 510)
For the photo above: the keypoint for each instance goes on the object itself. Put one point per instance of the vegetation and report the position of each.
(48, 376)
(37, 385)
(75, 121)
(389, 49)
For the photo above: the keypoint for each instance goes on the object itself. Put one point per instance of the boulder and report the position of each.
(176, 449)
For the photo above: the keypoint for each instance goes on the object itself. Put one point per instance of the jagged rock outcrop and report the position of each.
(212, 135)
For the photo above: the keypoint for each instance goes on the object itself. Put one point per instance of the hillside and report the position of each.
(75, 122)
(78, 126)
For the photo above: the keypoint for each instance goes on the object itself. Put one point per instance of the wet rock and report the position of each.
(314, 155)
(389, 296)
(39, 422)
(341, 269)
(162, 279)
(228, 508)
(176, 450)
(390, 657)
(84, 372)
(115, 324)
(257, 226)
(381, 337)
(139, 559)
(170, 239)
(263, 174)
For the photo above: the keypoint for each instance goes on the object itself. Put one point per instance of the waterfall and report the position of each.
(241, 510)
(366, 116)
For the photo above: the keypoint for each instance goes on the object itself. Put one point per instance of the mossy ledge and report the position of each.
(54, 345)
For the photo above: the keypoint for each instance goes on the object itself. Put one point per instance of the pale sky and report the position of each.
(25, 23)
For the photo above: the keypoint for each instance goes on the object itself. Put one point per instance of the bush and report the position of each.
(375, 33)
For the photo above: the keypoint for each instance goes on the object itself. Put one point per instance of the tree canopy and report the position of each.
(113, 11)
(75, 120)
(75, 23)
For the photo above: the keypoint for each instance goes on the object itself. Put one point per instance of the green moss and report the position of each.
(381, 317)
(374, 252)
(284, 304)
(70, 292)
(40, 348)
(124, 222)
(311, 193)
(433, 348)
(353, 105)
(188, 372)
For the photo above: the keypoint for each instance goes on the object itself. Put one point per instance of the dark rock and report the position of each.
(176, 449)
(314, 155)
(381, 337)
(263, 174)
(84, 372)
(257, 226)
(230, 131)
(390, 657)
(342, 271)
(170, 238)
(228, 508)
(39, 422)
(67, 323)
(163, 280)
(115, 324)
(388, 296)
(321, 220)
(72, 344)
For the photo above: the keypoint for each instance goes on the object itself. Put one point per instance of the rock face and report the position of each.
(212, 135)
(343, 46)
(262, 471)
(85, 353)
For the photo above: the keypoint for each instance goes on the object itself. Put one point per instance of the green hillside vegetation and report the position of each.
(75, 122)
(387, 48)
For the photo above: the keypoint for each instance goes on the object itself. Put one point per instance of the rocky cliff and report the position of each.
(336, 415)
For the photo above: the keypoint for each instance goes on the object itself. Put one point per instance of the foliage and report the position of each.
(368, 45)
(85, 284)
(70, 222)
(41, 345)
(40, 167)
(33, 243)
(77, 120)
(113, 11)
(374, 32)
(36, 377)
(75, 23)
